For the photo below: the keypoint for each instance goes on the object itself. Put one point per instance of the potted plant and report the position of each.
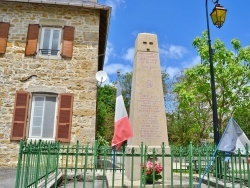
(151, 172)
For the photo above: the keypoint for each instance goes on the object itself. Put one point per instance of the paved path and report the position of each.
(7, 178)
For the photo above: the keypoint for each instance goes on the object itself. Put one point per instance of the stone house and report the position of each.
(50, 51)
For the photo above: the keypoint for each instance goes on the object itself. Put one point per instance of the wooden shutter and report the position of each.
(20, 116)
(4, 32)
(32, 38)
(67, 43)
(64, 117)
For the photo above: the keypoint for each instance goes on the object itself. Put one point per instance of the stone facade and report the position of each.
(75, 75)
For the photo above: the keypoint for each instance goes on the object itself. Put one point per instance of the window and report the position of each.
(50, 41)
(50, 116)
(43, 117)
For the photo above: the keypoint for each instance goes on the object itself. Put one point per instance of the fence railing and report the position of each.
(52, 164)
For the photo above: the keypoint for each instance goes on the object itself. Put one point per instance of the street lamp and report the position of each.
(218, 16)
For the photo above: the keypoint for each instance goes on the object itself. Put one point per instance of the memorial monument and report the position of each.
(147, 110)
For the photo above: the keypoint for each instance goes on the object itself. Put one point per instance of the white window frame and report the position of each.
(32, 114)
(50, 41)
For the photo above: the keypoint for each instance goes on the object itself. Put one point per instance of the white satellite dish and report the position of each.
(101, 76)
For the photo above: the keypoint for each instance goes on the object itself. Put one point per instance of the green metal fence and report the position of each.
(52, 164)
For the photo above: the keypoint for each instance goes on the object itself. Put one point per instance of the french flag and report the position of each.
(122, 127)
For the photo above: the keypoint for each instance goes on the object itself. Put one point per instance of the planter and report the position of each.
(149, 179)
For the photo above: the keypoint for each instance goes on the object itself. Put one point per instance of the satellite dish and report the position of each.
(101, 76)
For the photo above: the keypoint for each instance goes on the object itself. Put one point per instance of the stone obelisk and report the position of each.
(147, 110)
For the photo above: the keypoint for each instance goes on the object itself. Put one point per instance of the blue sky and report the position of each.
(176, 23)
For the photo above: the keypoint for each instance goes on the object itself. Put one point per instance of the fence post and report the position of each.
(123, 157)
(48, 163)
(190, 165)
(154, 161)
(66, 163)
(95, 162)
(142, 173)
(132, 170)
(26, 172)
(58, 147)
(38, 162)
(105, 148)
(172, 166)
(19, 164)
(163, 162)
(180, 153)
(85, 164)
(76, 161)
(248, 164)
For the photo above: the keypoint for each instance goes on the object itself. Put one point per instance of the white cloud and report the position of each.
(173, 51)
(172, 71)
(194, 61)
(129, 56)
(113, 68)
(115, 4)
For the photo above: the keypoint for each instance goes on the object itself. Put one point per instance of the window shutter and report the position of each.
(64, 117)
(20, 116)
(4, 32)
(32, 38)
(67, 43)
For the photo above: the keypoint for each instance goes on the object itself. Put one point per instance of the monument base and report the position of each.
(133, 164)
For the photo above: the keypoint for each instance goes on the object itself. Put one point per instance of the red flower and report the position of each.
(151, 167)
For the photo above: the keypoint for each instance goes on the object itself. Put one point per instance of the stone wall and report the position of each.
(76, 75)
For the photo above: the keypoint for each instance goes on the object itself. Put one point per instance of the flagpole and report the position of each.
(208, 167)
(212, 158)
(114, 155)
(114, 148)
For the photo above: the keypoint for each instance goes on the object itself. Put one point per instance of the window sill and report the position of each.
(42, 139)
(49, 56)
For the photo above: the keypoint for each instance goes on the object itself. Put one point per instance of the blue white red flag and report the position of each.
(122, 127)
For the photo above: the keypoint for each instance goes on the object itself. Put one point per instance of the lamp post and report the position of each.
(218, 16)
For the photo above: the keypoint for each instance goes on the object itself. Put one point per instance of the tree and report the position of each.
(105, 112)
(232, 78)
(242, 117)
(126, 85)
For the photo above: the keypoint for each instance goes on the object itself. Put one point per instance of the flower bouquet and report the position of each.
(151, 172)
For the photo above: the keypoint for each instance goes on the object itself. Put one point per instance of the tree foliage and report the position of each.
(126, 85)
(105, 112)
(232, 82)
